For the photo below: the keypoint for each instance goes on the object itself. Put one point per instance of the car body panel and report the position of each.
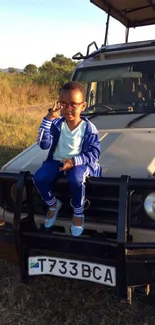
(122, 152)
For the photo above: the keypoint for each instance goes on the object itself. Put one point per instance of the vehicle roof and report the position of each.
(131, 13)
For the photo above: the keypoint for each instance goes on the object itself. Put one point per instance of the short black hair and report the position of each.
(75, 85)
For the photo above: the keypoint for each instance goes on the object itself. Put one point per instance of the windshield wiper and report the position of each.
(107, 110)
(110, 111)
(92, 110)
(136, 119)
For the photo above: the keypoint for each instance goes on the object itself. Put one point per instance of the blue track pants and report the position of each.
(49, 171)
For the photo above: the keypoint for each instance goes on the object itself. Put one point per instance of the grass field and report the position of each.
(56, 301)
(18, 129)
(51, 301)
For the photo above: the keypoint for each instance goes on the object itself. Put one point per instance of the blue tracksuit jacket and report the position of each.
(48, 136)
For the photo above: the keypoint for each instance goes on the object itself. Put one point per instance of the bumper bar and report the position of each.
(122, 252)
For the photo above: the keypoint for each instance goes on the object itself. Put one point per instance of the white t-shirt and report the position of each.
(70, 142)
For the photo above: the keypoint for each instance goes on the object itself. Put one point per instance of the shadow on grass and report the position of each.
(8, 153)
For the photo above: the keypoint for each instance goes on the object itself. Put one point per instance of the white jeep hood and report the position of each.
(125, 152)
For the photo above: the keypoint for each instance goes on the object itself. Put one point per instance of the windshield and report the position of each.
(128, 88)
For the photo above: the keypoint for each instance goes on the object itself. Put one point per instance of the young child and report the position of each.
(74, 149)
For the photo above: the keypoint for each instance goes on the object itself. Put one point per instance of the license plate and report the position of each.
(43, 265)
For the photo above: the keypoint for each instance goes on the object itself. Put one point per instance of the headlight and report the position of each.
(13, 191)
(149, 205)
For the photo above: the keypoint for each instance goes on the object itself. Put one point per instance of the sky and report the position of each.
(33, 31)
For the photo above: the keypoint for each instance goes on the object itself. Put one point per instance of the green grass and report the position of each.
(18, 129)
(20, 90)
(23, 103)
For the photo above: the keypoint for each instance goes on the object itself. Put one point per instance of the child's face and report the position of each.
(139, 94)
(72, 104)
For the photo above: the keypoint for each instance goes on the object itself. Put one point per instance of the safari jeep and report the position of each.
(117, 247)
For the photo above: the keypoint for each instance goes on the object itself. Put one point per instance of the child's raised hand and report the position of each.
(53, 112)
(67, 164)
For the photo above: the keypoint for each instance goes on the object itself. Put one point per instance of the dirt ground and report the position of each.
(55, 301)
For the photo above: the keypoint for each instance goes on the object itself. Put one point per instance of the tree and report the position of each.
(12, 70)
(48, 67)
(62, 60)
(31, 69)
(56, 72)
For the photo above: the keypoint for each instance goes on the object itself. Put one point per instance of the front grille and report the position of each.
(104, 204)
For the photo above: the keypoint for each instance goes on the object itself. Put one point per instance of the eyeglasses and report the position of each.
(72, 105)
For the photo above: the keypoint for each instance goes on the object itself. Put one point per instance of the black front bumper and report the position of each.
(134, 262)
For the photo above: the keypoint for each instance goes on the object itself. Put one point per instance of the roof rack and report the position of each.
(113, 48)
(80, 56)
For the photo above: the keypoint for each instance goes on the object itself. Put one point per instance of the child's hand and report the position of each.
(53, 112)
(67, 164)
